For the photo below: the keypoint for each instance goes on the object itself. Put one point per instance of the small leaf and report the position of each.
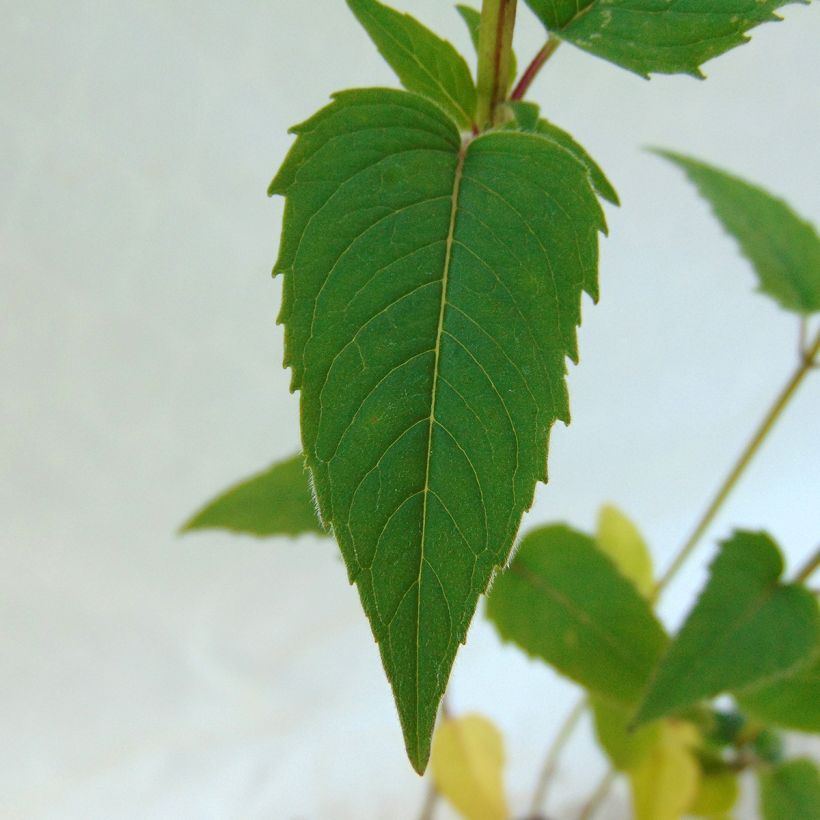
(527, 118)
(473, 20)
(792, 701)
(624, 747)
(467, 764)
(277, 501)
(666, 780)
(432, 289)
(716, 795)
(661, 36)
(783, 248)
(423, 61)
(745, 628)
(620, 539)
(562, 600)
(790, 791)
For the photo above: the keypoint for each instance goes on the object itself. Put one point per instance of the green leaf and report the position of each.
(432, 290)
(624, 747)
(783, 248)
(792, 702)
(717, 794)
(661, 36)
(620, 539)
(423, 61)
(790, 791)
(277, 501)
(562, 600)
(473, 20)
(527, 118)
(746, 628)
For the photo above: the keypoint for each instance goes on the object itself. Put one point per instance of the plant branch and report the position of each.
(494, 52)
(531, 72)
(808, 361)
(809, 568)
(554, 752)
(430, 801)
(599, 795)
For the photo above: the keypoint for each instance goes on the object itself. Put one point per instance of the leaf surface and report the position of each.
(792, 701)
(624, 747)
(422, 61)
(276, 501)
(655, 36)
(467, 763)
(716, 795)
(783, 248)
(790, 791)
(665, 781)
(562, 600)
(746, 627)
(620, 539)
(432, 290)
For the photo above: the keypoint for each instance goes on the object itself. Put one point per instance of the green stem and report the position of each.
(534, 67)
(494, 50)
(553, 753)
(731, 480)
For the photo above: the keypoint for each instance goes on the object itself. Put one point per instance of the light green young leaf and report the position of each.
(473, 20)
(792, 702)
(620, 539)
(745, 628)
(716, 795)
(277, 501)
(624, 747)
(432, 291)
(783, 248)
(563, 601)
(423, 61)
(660, 36)
(790, 791)
(526, 117)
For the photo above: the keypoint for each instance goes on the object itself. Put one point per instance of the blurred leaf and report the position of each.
(746, 627)
(467, 762)
(423, 61)
(666, 780)
(790, 791)
(624, 747)
(277, 501)
(619, 538)
(562, 600)
(663, 36)
(792, 702)
(783, 248)
(716, 795)
(472, 18)
(768, 745)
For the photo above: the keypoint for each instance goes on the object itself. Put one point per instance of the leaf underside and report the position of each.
(431, 294)
(783, 248)
(656, 36)
(746, 628)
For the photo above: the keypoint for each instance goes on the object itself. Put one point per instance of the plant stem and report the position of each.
(494, 51)
(809, 568)
(554, 752)
(731, 480)
(598, 796)
(531, 72)
(430, 800)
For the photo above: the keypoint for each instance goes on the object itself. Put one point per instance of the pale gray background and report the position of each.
(144, 676)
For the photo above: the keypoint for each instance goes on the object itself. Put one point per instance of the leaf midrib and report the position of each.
(448, 255)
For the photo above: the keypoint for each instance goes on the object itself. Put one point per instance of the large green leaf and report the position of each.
(624, 747)
(423, 61)
(790, 791)
(562, 600)
(783, 248)
(745, 628)
(432, 291)
(792, 701)
(661, 36)
(277, 501)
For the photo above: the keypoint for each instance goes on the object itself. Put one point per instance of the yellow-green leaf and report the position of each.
(624, 747)
(620, 539)
(717, 794)
(467, 763)
(666, 781)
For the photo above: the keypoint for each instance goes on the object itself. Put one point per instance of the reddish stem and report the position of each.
(534, 67)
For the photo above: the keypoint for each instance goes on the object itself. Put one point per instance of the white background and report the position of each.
(146, 676)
